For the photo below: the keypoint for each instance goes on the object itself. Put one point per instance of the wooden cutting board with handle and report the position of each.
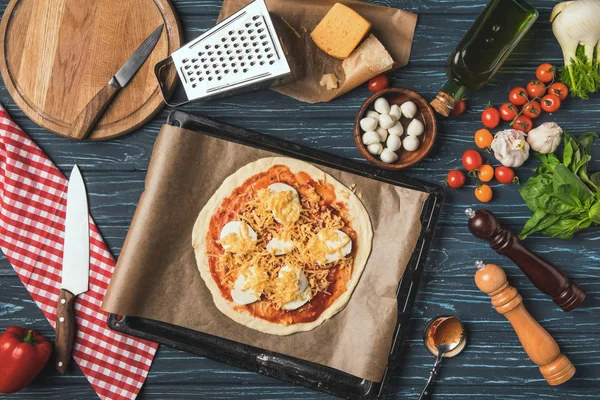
(56, 55)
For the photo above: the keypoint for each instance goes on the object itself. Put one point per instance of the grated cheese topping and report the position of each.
(307, 226)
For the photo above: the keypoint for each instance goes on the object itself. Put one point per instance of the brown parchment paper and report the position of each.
(156, 274)
(393, 27)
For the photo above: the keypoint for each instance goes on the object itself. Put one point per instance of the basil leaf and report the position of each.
(569, 149)
(586, 142)
(595, 213)
(549, 161)
(595, 178)
(538, 221)
(565, 228)
(566, 181)
(536, 191)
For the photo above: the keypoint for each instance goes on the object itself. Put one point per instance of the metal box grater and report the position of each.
(241, 53)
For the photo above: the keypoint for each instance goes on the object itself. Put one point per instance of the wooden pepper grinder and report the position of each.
(543, 274)
(537, 342)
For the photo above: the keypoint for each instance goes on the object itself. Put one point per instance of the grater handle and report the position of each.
(162, 69)
(91, 113)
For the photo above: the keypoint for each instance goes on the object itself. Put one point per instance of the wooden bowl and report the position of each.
(424, 113)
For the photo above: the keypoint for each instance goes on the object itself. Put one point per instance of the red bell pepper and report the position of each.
(23, 354)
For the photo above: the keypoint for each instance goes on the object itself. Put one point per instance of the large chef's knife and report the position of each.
(76, 267)
(86, 120)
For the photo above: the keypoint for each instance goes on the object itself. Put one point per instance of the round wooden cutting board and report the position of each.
(56, 55)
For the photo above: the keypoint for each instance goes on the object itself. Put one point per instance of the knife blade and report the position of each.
(76, 267)
(90, 114)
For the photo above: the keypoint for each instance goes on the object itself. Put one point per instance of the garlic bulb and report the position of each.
(510, 148)
(545, 138)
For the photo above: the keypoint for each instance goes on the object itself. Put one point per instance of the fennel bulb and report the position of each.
(576, 26)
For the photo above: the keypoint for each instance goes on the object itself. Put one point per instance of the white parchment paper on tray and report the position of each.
(156, 274)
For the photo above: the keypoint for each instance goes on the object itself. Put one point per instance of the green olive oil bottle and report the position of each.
(483, 49)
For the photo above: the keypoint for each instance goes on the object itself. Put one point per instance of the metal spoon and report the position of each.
(442, 348)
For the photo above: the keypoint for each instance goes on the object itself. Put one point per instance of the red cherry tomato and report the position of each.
(471, 160)
(545, 72)
(490, 117)
(508, 112)
(378, 83)
(536, 89)
(523, 123)
(455, 179)
(505, 175)
(459, 107)
(483, 193)
(532, 109)
(518, 96)
(550, 103)
(559, 89)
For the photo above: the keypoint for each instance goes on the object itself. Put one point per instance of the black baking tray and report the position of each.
(277, 365)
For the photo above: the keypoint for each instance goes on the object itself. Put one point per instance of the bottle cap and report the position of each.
(443, 104)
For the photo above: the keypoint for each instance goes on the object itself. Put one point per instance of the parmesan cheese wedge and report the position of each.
(300, 284)
(244, 292)
(235, 235)
(338, 243)
(279, 247)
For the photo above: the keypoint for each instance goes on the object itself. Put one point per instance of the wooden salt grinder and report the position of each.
(543, 274)
(537, 342)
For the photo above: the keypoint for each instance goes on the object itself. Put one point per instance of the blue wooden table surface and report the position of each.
(493, 366)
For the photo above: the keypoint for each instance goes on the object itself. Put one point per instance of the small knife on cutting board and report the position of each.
(86, 120)
(75, 269)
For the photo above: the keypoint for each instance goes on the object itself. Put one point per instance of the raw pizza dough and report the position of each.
(359, 220)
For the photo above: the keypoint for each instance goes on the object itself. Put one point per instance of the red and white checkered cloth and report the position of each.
(33, 196)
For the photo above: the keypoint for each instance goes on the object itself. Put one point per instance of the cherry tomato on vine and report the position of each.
(532, 109)
(536, 89)
(523, 123)
(518, 96)
(455, 179)
(483, 193)
(459, 107)
(471, 160)
(378, 83)
(550, 103)
(545, 72)
(490, 117)
(485, 173)
(505, 175)
(559, 89)
(508, 112)
(483, 138)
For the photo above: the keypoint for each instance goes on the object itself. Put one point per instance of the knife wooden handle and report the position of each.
(90, 114)
(65, 329)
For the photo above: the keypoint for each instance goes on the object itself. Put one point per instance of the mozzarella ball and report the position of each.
(383, 134)
(382, 106)
(393, 143)
(395, 111)
(372, 114)
(388, 156)
(415, 128)
(410, 143)
(397, 129)
(409, 109)
(375, 148)
(368, 124)
(386, 121)
(370, 137)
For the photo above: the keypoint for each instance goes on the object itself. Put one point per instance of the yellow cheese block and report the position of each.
(340, 31)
